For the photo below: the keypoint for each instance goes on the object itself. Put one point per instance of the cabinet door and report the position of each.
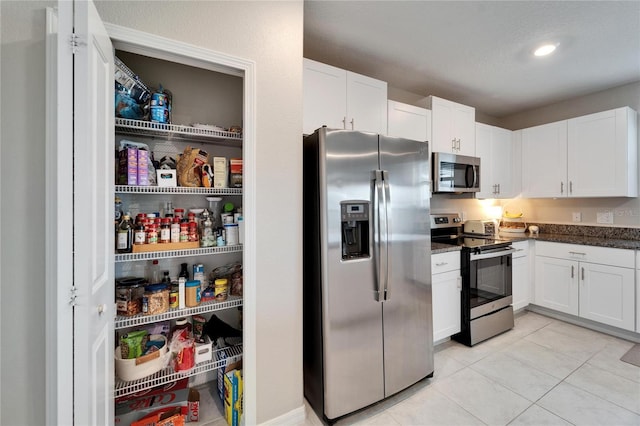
(488, 186)
(464, 119)
(544, 161)
(601, 156)
(607, 295)
(406, 121)
(556, 284)
(516, 163)
(452, 127)
(521, 282)
(501, 161)
(366, 104)
(446, 289)
(324, 96)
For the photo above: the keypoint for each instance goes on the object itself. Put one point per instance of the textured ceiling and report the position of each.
(480, 52)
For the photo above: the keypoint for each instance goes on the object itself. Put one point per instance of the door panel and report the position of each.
(606, 294)
(408, 330)
(352, 317)
(93, 216)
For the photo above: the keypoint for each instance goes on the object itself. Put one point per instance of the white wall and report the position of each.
(269, 33)
(22, 129)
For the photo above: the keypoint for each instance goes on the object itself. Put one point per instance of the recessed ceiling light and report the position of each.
(545, 49)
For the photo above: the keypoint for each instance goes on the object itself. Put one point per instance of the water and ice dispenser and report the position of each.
(355, 229)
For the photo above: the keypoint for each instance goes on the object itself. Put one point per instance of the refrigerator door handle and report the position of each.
(377, 193)
(385, 235)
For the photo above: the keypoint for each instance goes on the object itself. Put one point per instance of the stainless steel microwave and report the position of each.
(455, 173)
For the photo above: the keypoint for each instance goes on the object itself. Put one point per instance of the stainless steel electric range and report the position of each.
(486, 279)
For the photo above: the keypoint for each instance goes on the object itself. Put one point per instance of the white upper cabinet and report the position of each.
(342, 99)
(407, 121)
(590, 156)
(494, 147)
(452, 127)
(602, 160)
(544, 161)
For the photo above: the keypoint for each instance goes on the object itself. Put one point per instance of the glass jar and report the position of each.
(156, 299)
(182, 326)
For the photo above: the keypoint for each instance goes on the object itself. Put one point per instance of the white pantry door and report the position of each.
(93, 162)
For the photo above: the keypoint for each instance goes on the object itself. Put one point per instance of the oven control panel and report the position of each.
(445, 220)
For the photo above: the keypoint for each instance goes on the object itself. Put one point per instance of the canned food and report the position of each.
(173, 297)
(221, 289)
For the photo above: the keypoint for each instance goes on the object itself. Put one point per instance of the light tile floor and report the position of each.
(543, 372)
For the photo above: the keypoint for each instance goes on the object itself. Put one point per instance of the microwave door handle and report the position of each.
(376, 189)
(385, 235)
(472, 175)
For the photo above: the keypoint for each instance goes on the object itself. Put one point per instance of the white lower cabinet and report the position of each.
(595, 283)
(446, 286)
(521, 275)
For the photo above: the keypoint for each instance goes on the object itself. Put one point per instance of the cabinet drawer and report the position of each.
(522, 249)
(603, 255)
(445, 262)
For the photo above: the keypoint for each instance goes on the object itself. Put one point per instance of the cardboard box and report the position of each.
(220, 172)
(235, 172)
(221, 355)
(166, 178)
(233, 389)
(170, 417)
(128, 166)
(143, 167)
(158, 400)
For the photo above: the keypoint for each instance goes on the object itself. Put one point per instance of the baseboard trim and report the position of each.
(293, 417)
(593, 325)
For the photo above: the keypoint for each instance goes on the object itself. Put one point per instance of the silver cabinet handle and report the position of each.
(582, 273)
(453, 144)
(344, 123)
(353, 123)
(458, 145)
(578, 253)
(572, 271)
(562, 187)
(499, 189)
(570, 187)
(442, 263)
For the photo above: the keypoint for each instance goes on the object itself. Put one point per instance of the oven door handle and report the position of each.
(491, 255)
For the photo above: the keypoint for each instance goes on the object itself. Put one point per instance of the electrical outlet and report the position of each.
(464, 216)
(604, 217)
(577, 217)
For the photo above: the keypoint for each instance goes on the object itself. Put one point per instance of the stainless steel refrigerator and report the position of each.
(368, 330)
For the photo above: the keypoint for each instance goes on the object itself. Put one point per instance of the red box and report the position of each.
(136, 406)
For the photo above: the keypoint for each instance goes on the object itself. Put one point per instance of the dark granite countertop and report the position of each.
(589, 241)
(583, 235)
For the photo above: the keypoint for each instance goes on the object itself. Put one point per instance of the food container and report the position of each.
(156, 299)
(221, 289)
(137, 368)
(204, 350)
(192, 293)
(129, 297)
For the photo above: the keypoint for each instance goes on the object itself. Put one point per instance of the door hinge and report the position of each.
(74, 43)
(73, 295)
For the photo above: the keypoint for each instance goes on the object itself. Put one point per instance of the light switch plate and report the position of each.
(577, 216)
(604, 217)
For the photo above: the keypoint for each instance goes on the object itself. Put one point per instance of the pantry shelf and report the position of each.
(175, 132)
(169, 254)
(221, 357)
(203, 308)
(130, 189)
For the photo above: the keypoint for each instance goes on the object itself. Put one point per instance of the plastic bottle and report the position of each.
(154, 272)
(125, 235)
